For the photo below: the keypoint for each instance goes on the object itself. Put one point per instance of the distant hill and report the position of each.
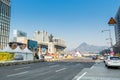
(84, 47)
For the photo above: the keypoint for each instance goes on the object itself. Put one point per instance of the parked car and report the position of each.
(112, 61)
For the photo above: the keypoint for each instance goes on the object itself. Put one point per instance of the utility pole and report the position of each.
(109, 36)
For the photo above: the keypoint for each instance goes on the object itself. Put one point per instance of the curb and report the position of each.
(19, 63)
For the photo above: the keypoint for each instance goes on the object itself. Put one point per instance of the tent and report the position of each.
(18, 50)
(8, 49)
(29, 55)
(26, 50)
(1, 50)
(78, 54)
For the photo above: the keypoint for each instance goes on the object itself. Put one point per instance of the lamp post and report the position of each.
(111, 22)
(109, 36)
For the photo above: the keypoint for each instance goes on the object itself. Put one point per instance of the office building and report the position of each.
(4, 22)
(117, 27)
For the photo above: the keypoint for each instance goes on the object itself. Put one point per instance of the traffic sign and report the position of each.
(112, 21)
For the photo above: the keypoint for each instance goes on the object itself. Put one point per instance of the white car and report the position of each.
(112, 61)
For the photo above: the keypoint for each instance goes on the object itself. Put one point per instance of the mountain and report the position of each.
(84, 47)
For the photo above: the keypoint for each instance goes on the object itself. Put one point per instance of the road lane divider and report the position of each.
(22, 68)
(78, 64)
(16, 74)
(60, 70)
(54, 66)
(81, 76)
(92, 67)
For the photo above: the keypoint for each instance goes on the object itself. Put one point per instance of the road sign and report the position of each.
(112, 21)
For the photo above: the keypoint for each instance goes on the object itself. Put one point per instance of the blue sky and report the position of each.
(75, 21)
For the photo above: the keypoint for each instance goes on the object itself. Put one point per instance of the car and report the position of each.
(112, 61)
(95, 57)
(101, 58)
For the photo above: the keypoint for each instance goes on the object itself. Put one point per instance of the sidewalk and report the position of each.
(98, 72)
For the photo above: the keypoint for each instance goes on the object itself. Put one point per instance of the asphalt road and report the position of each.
(44, 71)
(98, 72)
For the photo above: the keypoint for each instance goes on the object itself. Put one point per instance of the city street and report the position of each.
(60, 71)
(98, 72)
(59, 39)
(43, 71)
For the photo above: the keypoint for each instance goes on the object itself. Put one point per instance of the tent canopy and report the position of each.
(1, 50)
(26, 50)
(7, 49)
(18, 50)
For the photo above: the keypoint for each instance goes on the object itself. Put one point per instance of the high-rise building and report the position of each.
(4, 22)
(117, 27)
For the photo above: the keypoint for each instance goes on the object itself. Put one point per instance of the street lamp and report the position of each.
(111, 22)
(109, 36)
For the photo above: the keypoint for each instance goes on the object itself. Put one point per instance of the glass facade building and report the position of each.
(117, 27)
(4, 22)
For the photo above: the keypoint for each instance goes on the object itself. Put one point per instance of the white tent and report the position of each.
(8, 49)
(29, 55)
(1, 50)
(26, 50)
(78, 54)
(18, 50)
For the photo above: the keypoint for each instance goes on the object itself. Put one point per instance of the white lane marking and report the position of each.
(78, 64)
(22, 68)
(17, 74)
(54, 66)
(81, 76)
(60, 69)
(92, 67)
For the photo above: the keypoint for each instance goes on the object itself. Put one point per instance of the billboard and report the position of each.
(18, 33)
(32, 44)
(5, 56)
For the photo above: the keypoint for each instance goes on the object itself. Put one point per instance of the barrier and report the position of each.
(5, 56)
(20, 62)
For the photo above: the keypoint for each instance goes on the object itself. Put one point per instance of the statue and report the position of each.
(51, 38)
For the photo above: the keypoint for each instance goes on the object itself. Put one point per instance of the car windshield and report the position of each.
(114, 58)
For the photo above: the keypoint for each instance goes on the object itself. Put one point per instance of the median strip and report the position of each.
(10, 63)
